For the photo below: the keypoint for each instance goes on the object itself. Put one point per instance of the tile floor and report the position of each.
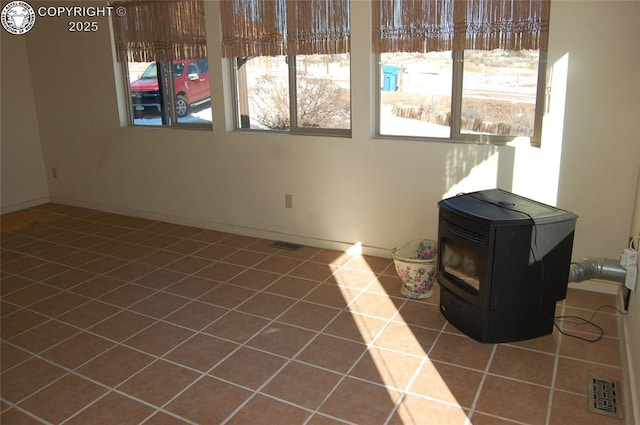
(109, 319)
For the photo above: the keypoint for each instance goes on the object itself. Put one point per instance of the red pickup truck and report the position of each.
(191, 83)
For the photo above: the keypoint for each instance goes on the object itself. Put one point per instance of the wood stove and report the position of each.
(503, 263)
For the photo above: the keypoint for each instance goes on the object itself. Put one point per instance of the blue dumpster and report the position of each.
(390, 77)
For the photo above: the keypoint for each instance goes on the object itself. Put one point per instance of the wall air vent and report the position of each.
(286, 245)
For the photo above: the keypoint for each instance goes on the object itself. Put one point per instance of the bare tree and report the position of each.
(321, 104)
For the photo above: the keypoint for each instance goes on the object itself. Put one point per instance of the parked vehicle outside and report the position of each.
(191, 84)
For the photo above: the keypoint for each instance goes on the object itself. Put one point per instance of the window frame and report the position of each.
(455, 135)
(168, 107)
(294, 129)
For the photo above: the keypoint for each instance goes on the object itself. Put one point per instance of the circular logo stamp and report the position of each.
(18, 17)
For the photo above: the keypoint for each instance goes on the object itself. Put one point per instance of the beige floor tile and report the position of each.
(248, 367)
(44, 336)
(96, 287)
(160, 279)
(462, 351)
(31, 294)
(131, 271)
(69, 279)
(525, 402)
(573, 375)
(303, 385)
(278, 264)
(77, 350)
(221, 272)
(209, 400)
(330, 256)
(188, 265)
(17, 417)
(215, 252)
(290, 286)
(227, 296)
(355, 327)
(63, 398)
(126, 295)
(121, 325)
(160, 258)
(201, 352)
(58, 304)
(27, 378)
(418, 411)
(420, 313)
(605, 351)
(159, 338)
(352, 277)
(281, 339)
(88, 314)
(407, 339)
(159, 382)
(451, 384)
(115, 365)
(332, 353)
(162, 418)
(191, 287)
(111, 409)
(254, 279)
(159, 305)
(196, 315)
(313, 271)
(245, 258)
(386, 367)
(308, 315)
(266, 305)
(332, 295)
(236, 327)
(524, 365)
(372, 405)
(11, 356)
(185, 246)
(376, 305)
(262, 410)
(570, 408)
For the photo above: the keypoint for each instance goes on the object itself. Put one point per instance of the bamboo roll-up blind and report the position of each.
(154, 30)
(439, 25)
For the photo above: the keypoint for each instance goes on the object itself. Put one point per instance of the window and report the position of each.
(471, 70)
(156, 102)
(162, 47)
(291, 64)
(306, 93)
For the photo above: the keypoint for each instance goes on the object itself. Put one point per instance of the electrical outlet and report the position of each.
(54, 172)
(631, 278)
(629, 258)
(288, 200)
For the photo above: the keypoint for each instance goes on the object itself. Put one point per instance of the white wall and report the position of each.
(377, 191)
(632, 321)
(23, 181)
(601, 147)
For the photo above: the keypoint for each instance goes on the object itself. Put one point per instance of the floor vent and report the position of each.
(605, 396)
(286, 245)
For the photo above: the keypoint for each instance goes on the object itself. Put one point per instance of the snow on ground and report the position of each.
(390, 125)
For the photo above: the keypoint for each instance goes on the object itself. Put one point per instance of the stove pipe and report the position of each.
(596, 268)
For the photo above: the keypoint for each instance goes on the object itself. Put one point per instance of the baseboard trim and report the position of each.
(344, 246)
(631, 390)
(6, 209)
(597, 286)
